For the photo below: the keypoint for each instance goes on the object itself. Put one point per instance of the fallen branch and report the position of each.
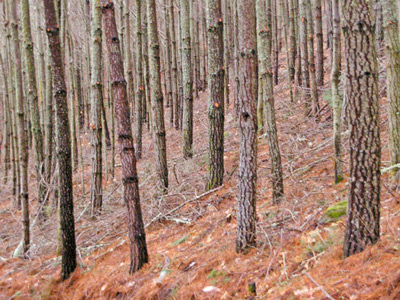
(160, 216)
(320, 287)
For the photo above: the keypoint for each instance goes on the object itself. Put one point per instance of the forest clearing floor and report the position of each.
(191, 236)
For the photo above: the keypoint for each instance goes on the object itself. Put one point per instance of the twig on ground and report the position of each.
(319, 286)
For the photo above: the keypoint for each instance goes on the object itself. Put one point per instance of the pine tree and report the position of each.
(130, 179)
(248, 76)
(96, 99)
(264, 18)
(187, 76)
(392, 50)
(156, 96)
(63, 138)
(216, 77)
(362, 227)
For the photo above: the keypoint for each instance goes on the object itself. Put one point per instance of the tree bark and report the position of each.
(156, 96)
(248, 76)
(187, 77)
(96, 99)
(21, 129)
(67, 223)
(216, 77)
(392, 49)
(336, 100)
(264, 14)
(320, 42)
(139, 82)
(137, 237)
(362, 227)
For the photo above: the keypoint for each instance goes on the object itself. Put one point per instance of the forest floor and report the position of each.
(191, 236)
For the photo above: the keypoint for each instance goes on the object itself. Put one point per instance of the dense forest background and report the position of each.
(199, 149)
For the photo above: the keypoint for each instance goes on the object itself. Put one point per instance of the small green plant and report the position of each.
(180, 241)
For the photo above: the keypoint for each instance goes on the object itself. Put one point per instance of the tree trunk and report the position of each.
(139, 82)
(156, 97)
(264, 14)
(67, 223)
(304, 58)
(362, 227)
(336, 100)
(130, 179)
(33, 102)
(215, 47)
(392, 49)
(320, 42)
(311, 60)
(246, 216)
(187, 77)
(21, 129)
(96, 100)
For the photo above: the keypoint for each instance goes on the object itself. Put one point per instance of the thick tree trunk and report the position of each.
(362, 228)
(96, 100)
(156, 96)
(67, 223)
(248, 76)
(130, 179)
(187, 77)
(215, 42)
(392, 49)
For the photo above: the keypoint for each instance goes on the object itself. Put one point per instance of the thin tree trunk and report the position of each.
(67, 223)
(22, 134)
(320, 42)
(304, 58)
(264, 14)
(156, 97)
(215, 42)
(96, 101)
(139, 81)
(336, 100)
(187, 76)
(392, 49)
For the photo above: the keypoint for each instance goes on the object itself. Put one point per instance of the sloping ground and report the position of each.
(191, 235)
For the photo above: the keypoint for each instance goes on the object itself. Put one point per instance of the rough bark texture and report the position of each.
(392, 50)
(187, 77)
(362, 228)
(311, 60)
(264, 14)
(305, 79)
(336, 100)
(216, 77)
(21, 129)
(320, 42)
(293, 40)
(63, 138)
(137, 237)
(139, 82)
(96, 99)
(174, 66)
(248, 77)
(33, 103)
(156, 96)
